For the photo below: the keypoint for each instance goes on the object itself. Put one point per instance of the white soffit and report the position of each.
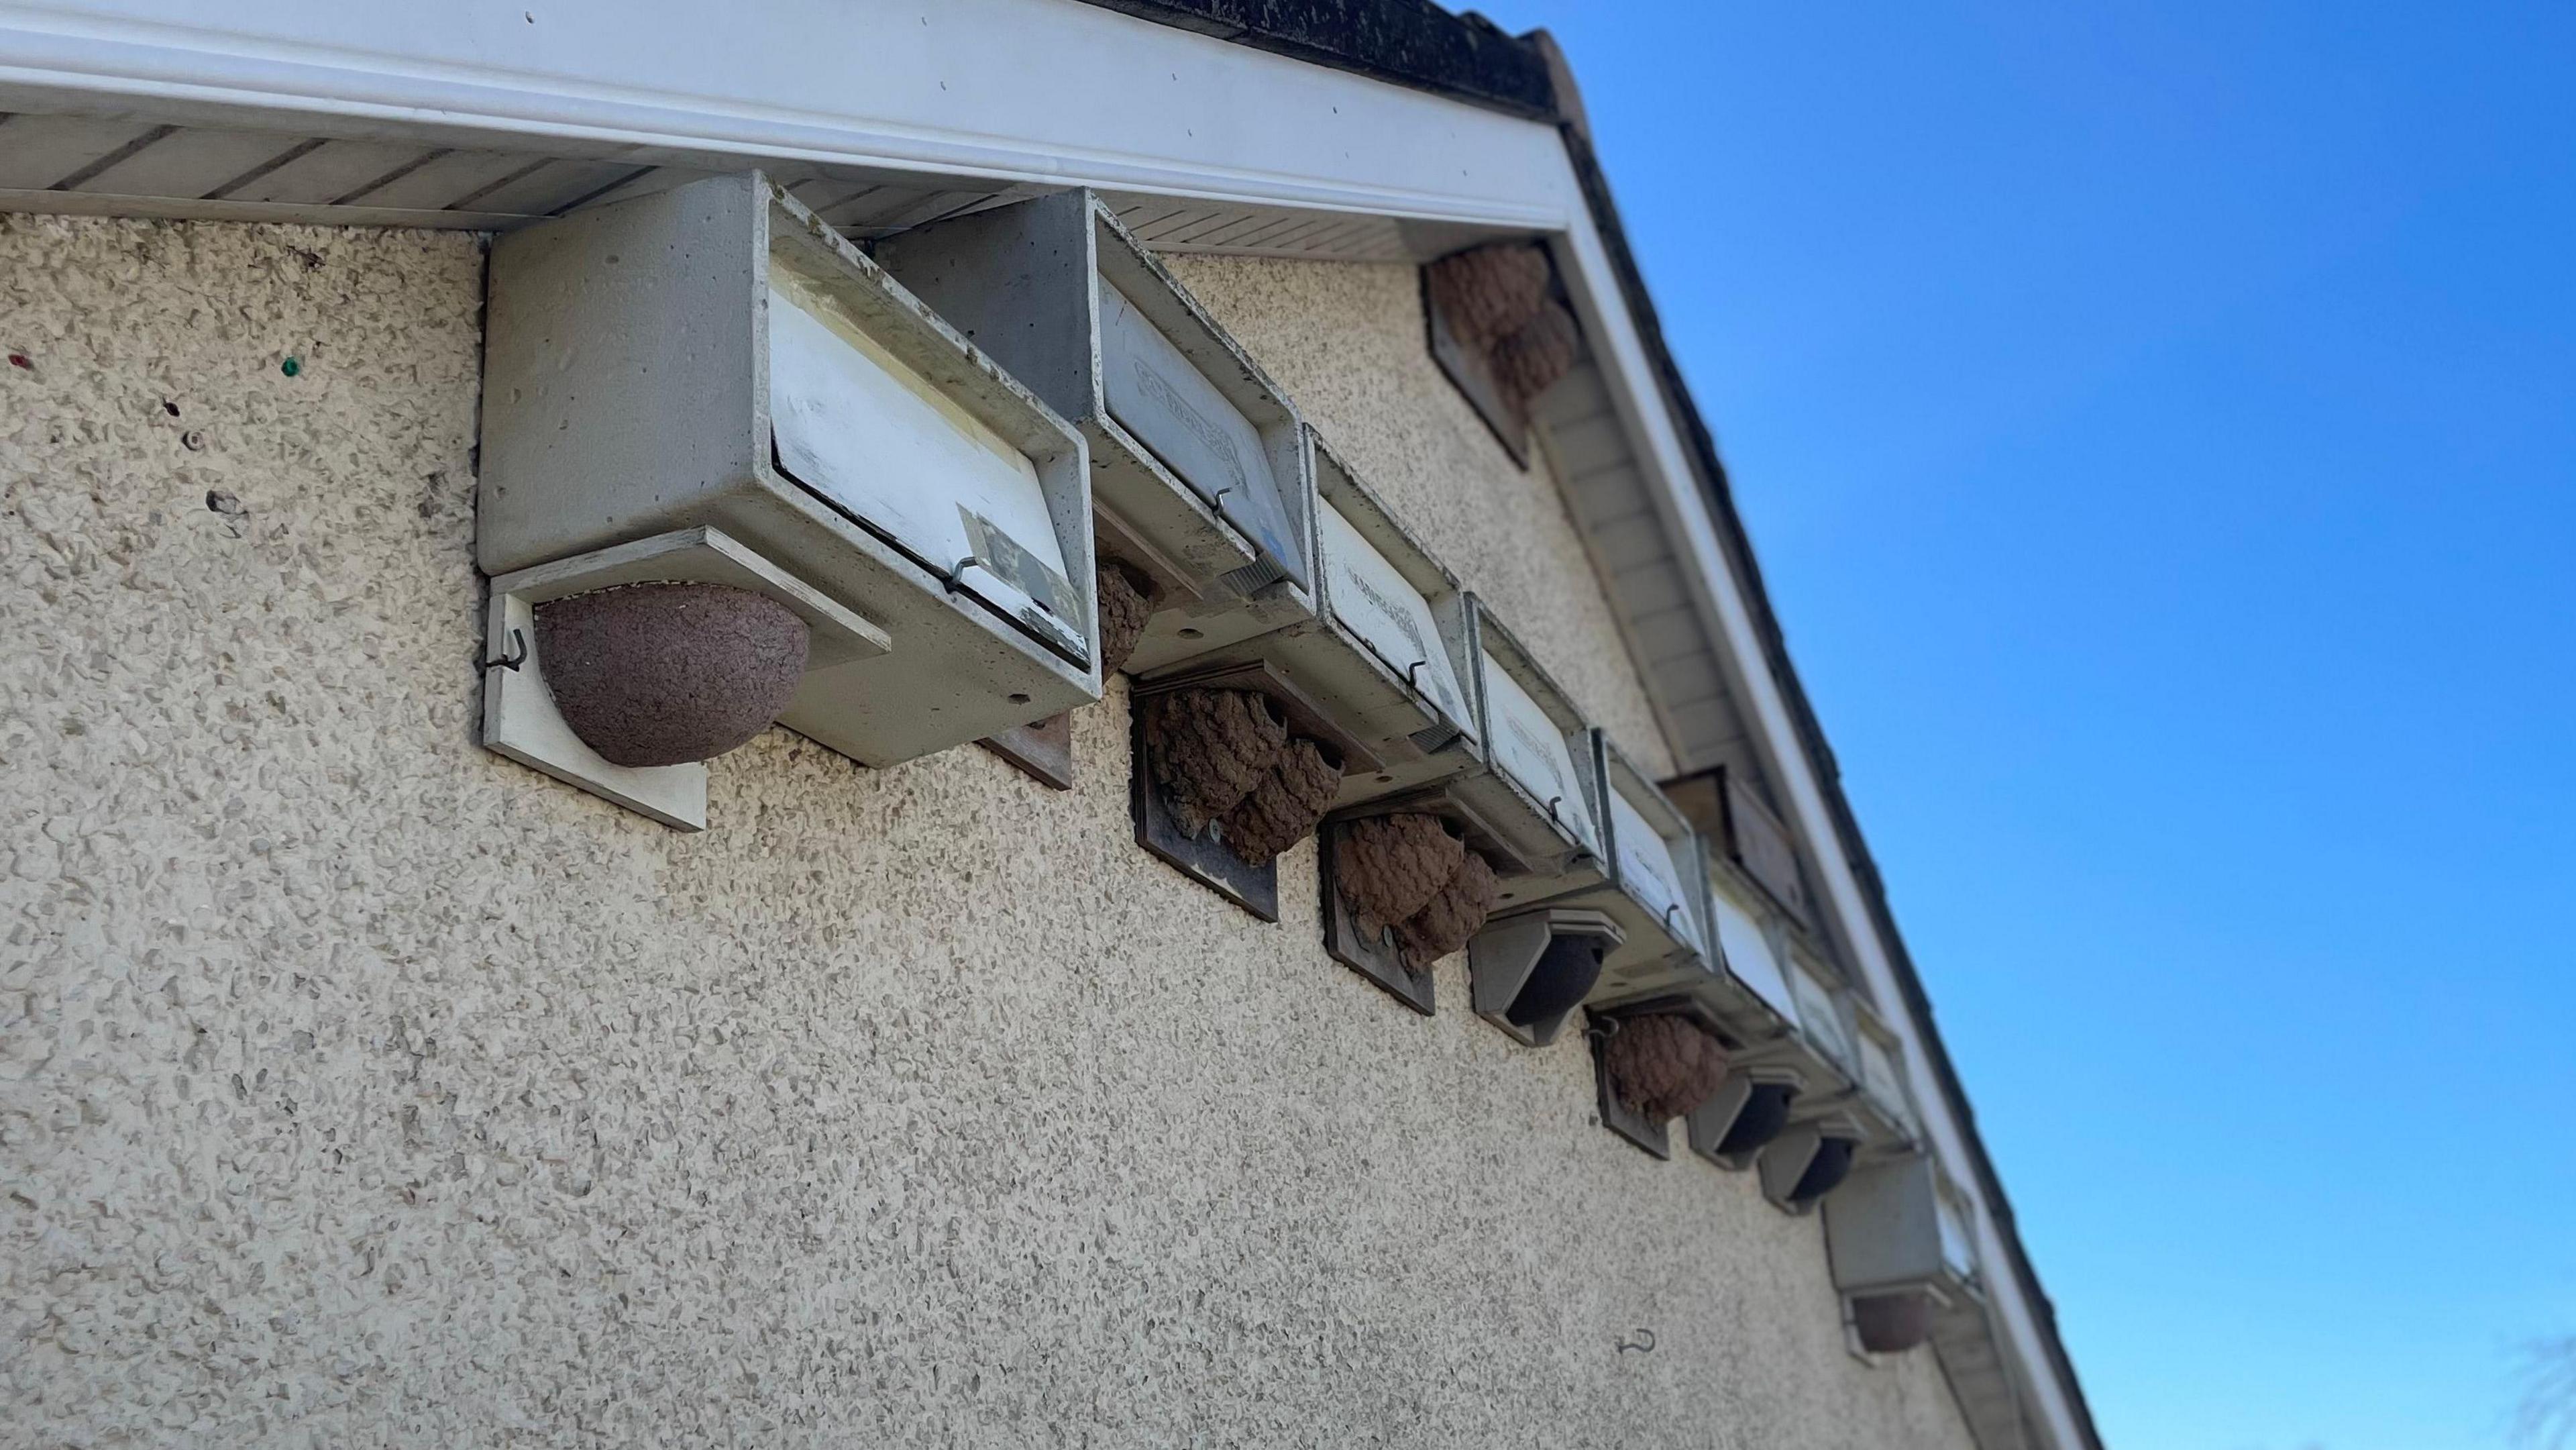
(989, 91)
(488, 115)
(1642, 561)
(135, 165)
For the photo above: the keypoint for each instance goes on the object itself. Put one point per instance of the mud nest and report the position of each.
(1892, 1323)
(1126, 598)
(661, 674)
(1211, 748)
(1489, 293)
(1389, 867)
(1664, 1064)
(1288, 803)
(1529, 362)
(1453, 916)
(1495, 302)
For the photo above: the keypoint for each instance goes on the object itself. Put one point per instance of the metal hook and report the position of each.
(518, 642)
(1551, 810)
(950, 581)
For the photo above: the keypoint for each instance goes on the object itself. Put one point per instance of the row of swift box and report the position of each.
(735, 471)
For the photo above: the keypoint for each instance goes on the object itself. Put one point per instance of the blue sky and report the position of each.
(2158, 426)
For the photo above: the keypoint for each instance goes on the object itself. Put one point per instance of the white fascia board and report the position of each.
(1049, 92)
(1041, 91)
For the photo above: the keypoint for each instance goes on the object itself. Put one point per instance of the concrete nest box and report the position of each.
(1825, 1171)
(1561, 980)
(1764, 1114)
(663, 674)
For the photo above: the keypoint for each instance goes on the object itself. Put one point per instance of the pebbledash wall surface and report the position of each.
(360, 1087)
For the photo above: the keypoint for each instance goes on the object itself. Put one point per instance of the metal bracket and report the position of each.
(517, 657)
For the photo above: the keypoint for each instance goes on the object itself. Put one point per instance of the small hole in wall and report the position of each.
(1191, 633)
(1386, 780)
(1018, 699)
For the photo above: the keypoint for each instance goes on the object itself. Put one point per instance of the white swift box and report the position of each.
(1657, 891)
(1200, 470)
(1382, 667)
(1537, 795)
(1898, 1225)
(716, 356)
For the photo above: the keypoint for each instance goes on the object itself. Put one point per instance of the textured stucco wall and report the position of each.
(360, 1087)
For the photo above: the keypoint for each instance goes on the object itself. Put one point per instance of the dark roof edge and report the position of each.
(1466, 57)
(1802, 714)
(1406, 42)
